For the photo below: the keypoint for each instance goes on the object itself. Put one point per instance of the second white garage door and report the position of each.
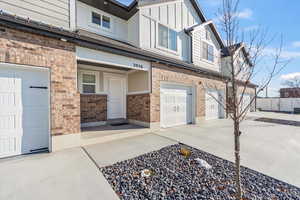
(175, 105)
(24, 110)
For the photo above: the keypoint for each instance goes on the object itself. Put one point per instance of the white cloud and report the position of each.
(296, 44)
(285, 54)
(244, 14)
(290, 54)
(290, 76)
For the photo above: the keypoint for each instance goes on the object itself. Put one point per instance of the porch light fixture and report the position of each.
(105, 3)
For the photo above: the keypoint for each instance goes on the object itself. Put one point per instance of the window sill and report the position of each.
(176, 53)
(208, 62)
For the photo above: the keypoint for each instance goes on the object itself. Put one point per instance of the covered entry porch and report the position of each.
(114, 90)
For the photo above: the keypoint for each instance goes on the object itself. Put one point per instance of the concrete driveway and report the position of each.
(65, 175)
(268, 148)
(73, 174)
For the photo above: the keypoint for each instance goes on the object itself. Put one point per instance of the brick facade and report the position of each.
(163, 73)
(93, 108)
(138, 107)
(29, 49)
(290, 92)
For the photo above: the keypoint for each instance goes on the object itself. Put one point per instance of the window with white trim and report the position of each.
(208, 52)
(89, 81)
(101, 20)
(167, 38)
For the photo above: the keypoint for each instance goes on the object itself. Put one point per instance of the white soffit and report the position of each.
(101, 57)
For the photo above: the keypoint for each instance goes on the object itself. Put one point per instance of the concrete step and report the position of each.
(115, 122)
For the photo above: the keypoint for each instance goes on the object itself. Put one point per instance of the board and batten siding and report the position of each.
(52, 12)
(133, 30)
(176, 15)
(199, 36)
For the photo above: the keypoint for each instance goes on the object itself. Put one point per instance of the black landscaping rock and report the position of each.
(177, 177)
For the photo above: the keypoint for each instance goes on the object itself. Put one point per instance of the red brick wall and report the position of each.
(93, 108)
(34, 50)
(181, 76)
(290, 93)
(138, 107)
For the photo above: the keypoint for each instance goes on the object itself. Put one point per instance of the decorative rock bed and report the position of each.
(177, 177)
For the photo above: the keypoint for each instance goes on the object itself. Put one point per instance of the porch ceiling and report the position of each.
(103, 65)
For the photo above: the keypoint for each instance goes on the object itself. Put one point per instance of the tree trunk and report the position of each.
(237, 160)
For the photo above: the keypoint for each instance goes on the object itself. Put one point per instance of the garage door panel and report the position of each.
(10, 145)
(24, 113)
(40, 96)
(8, 82)
(27, 144)
(8, 122)
(7, 99)
(35, 117)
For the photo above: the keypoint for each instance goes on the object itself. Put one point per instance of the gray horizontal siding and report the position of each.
(54, 12)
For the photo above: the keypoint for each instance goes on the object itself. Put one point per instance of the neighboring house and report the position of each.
(242, 67)
(67, 64)
(289, 93)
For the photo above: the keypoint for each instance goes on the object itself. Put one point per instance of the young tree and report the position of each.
(244, 54)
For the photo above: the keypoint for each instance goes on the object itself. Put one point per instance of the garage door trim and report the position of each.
(165, 85)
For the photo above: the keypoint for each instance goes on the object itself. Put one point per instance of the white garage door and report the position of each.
(24, 110)
(176, 105)
(212, 108)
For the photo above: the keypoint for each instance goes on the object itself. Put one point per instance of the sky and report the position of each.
(280, 17)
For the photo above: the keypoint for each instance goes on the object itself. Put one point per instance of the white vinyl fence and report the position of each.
(278, 104)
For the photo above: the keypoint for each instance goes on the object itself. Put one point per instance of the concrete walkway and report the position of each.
(268, 148)
(64, 175)
(115, 151)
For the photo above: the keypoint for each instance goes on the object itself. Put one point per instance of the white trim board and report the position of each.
(90, 55)
(139, 92)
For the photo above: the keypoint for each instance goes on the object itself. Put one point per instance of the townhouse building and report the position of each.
(69, 64)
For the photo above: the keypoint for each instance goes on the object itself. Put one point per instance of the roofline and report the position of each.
(212, 26)
(198, 10)
(242, 46)
(22, 24)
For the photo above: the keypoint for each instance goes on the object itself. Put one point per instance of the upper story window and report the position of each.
(167, 38)
(101, 20)
(105, 22)
(96, 18)
(208, 52)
